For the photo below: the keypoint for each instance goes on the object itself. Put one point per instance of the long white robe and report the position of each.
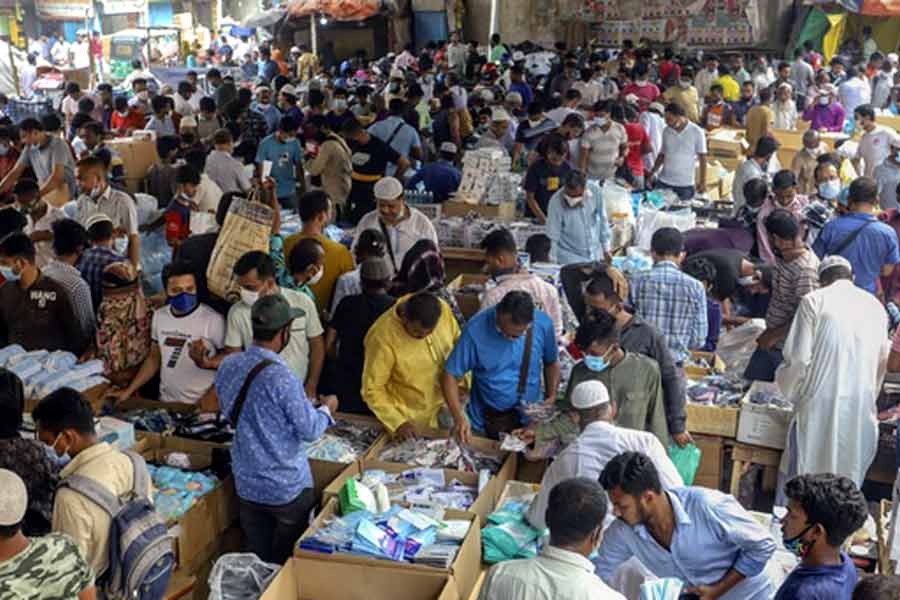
(835, 358)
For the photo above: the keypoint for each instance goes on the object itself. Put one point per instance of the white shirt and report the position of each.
(655, 125)
(681, 149)
(44, 250)
(296, 355)
(854, 92)
(748, 170)
(208, 194)
(559, 114)
(183, 107)
(785, 114)
(703, 81)
(555, 573)
(587, 456)
(874, 147)
(181, 380)
(115, 204)
(402, 236)
(348, 284)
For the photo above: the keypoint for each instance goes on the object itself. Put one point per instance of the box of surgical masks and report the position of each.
(118, 434)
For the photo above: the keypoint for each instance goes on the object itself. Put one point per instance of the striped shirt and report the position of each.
(675, 304)
(78, 290)
(790, 282)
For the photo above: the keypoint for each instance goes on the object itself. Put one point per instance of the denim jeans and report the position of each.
(272, 531)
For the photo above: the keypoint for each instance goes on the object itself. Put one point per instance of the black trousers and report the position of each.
(272, 531)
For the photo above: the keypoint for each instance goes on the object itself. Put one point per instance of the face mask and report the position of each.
(122, 113)
(824, 101)
(534, 123)
(145, 95)
(641, 82)
(830, 189)
(249, 298)
(317, 277)
(601, 121)
(573, 200)
(684, 84)
(797, 546)
(184, 302)
(64, 456)
(597, 364)
(9, 274)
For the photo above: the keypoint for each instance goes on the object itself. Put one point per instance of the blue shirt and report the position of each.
(495, 363)
(713, 534)
(817, 583)
(440, 178)
(873, 248)
(268, 454)
(269, 112)
(285, 158)
(402, 140)
(524, 90)
(675, 304)
(578, 233)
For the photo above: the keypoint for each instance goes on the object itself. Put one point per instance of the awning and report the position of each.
(64, 10)
(339, 10)
(264, 19)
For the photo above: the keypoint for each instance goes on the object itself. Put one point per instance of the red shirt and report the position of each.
(133, 120)
(646, 94)
(96, 47)
(638, 144)
(669, 71)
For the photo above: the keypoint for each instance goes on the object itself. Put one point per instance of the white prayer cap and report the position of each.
(96, 218)
(589, 394)
(498, 115)
(835, 260)
(449, 147)
(388, 188)
(13, 498)
(288, 90)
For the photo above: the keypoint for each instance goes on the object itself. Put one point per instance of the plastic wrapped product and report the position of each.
(240, 577)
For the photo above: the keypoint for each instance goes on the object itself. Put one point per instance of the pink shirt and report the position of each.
(545, 296)
(762, 235)
(646, 94)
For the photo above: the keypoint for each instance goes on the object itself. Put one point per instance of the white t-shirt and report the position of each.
(681, 149)
(296, 355)
(44, 250)
(208, 194)
(874, 147)
(181, 380)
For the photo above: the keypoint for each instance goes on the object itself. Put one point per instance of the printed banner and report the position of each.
(64, 10)
(124, 7)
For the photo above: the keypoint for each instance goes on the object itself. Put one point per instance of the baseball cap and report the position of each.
(449, 147)
(96, 218)
(835, 260)
(288, 89)
(271, 313)
(13, 498)
(589, 394)
(499, 115)
(388, 188)
(375, 269)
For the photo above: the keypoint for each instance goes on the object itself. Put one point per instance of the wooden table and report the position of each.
(743, 456)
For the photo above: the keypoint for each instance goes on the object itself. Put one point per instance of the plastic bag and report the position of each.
(617, 201)
(652, 220)
(686, 460)
(737, 345)
(662, 589)
(240, 577)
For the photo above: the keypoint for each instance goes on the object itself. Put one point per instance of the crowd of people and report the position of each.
(371, 327)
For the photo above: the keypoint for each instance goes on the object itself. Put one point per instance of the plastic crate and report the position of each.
(19, 109)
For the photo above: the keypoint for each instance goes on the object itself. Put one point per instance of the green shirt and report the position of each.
(50, 567)
(634, 385)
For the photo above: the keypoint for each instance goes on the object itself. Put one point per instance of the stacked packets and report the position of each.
(440, 453)
(421, 488)
(43, 372)
(344, 442)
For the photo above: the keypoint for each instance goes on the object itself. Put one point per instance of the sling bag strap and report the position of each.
(390, 245)
(395, 132)
(850, 238)
(242, 395)
(526, 363)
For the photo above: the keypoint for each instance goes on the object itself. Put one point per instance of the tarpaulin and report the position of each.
(868, 8)
(832, 40)
(341, 10)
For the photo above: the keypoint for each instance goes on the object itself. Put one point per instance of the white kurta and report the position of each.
(835, 358)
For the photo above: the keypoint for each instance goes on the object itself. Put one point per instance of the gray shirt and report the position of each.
(115, 204)
(887, 176)
(801, 76)
(44, 159)
(227, 172)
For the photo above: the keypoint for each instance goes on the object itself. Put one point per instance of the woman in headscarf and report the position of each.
(123, 323)
(422, 270)
(27, 458)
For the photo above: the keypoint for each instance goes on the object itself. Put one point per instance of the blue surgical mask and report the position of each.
(4, 149)
(597, 364)
(9, 274)
(830, 189)
(184, 302)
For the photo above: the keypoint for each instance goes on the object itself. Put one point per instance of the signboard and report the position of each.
(64, 10)
(124, 7)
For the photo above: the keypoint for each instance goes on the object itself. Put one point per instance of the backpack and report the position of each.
(141, 555)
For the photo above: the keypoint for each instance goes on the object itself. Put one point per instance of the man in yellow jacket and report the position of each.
(405, 352)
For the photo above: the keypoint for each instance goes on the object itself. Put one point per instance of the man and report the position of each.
(545, 176)
(395, 132)
(805, 162)
(706, 77)
(869, 45)
(530, 132)
(225, 171)
(826, 114)
(305, 354)
(599, 441)
(603, 145)
(331, 162)
(91, 134)
(265, 402)
(442, 177)
(405, 351)
(456, 54)
(887, 176)
(564, 80)
(835, 425)
(577, 224)
(36, 567)
(784, 196)
(569, 106)
(315, 214)
(307, 64)
(793, 277)
(803, 77)
(854, 92)
(65, 424)
(179, 332)
(683, 146)
(731, 89)
(760, 119)
(401, 225)
(35, 311)
(870, 246)
(100, 254)
(370, 159)
(69, 243)
(501, 258)
(717, 112)
(685, 95)
(498, 132)
(40, 217)
(755, 167)
(641, 87)
(743, 105)
(668, 299)
(505, 348)
(519, 85)
(575, 513)
(182, 99)
(98, 197)
(876, 142)
(700, 536)
(50, 159)
(823, 511)
(283, 153)
(263, 105)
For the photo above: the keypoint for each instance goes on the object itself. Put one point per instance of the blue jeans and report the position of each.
(684, 192)
(762, 365)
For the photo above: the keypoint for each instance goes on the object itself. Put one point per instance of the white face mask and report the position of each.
(684, 84)
(574, 200)
(249, 298)
(317, 277)
(601, 121)
(824, 101)
(535, 123)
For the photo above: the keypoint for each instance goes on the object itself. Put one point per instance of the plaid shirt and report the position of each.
(91, 265)
(675, 304)
(79, 293)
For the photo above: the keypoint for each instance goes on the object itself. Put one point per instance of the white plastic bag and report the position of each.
(651, 220)
(239, 576)
(617, 201)
(662, 589)
(737, 345)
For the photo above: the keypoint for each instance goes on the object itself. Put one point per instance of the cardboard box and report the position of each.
(712, 449)
(458, 261)
(318, 579)
(465, 568)
(763, 425)
(888, 120)
(696, 372)
(95, 396)
(727, 143)
(516, 489)
(712, 420)
(479, 583)
(504, 212)
(531, 471)
(712, 174)
(325, 471)
(469, 303)
(137, 157)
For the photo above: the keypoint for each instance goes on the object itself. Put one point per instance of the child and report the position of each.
(160, 179)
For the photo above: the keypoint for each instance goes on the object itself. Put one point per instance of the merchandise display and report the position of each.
(508, 535)
(177, 490)
(440, 453)
(424, 488)
(717, 390)
(486, 178)
(344, 442)
(43, 372)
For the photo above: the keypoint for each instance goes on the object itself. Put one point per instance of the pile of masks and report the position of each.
(344, 442)
(634, 262)
(481, 170)
(508, 535)
(442, 454)
(717, 390)
(420, 488)
(43, 372)
(177, 490)
(399, 534)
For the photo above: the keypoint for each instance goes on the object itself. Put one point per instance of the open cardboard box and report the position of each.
(319, 579)
(515, 489)
(95, 396)
(505, 211)
(717, 365)
(325, 471)
(464, 570)
(484, 503)
(469, 303)
(137, 155)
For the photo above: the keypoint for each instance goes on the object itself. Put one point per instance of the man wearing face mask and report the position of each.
(755, 167)
(828, 183)
(329, 158)
(576, 510)
(401, 225)
(398, 135)
(826, 114)
(599, 441)
(664, 529)
(50, 159)
(887, 176)
(40, 215)
(507, 348)
(576, 222)
(681, 162)
(498, 132)
(36, 312)
(339, 110)
(187, 338)
(685, 95)
(823, 511)
(263, 105)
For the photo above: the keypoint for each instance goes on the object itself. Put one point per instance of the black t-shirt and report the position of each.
(372, 157)
(544, 180)
(728, 269)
